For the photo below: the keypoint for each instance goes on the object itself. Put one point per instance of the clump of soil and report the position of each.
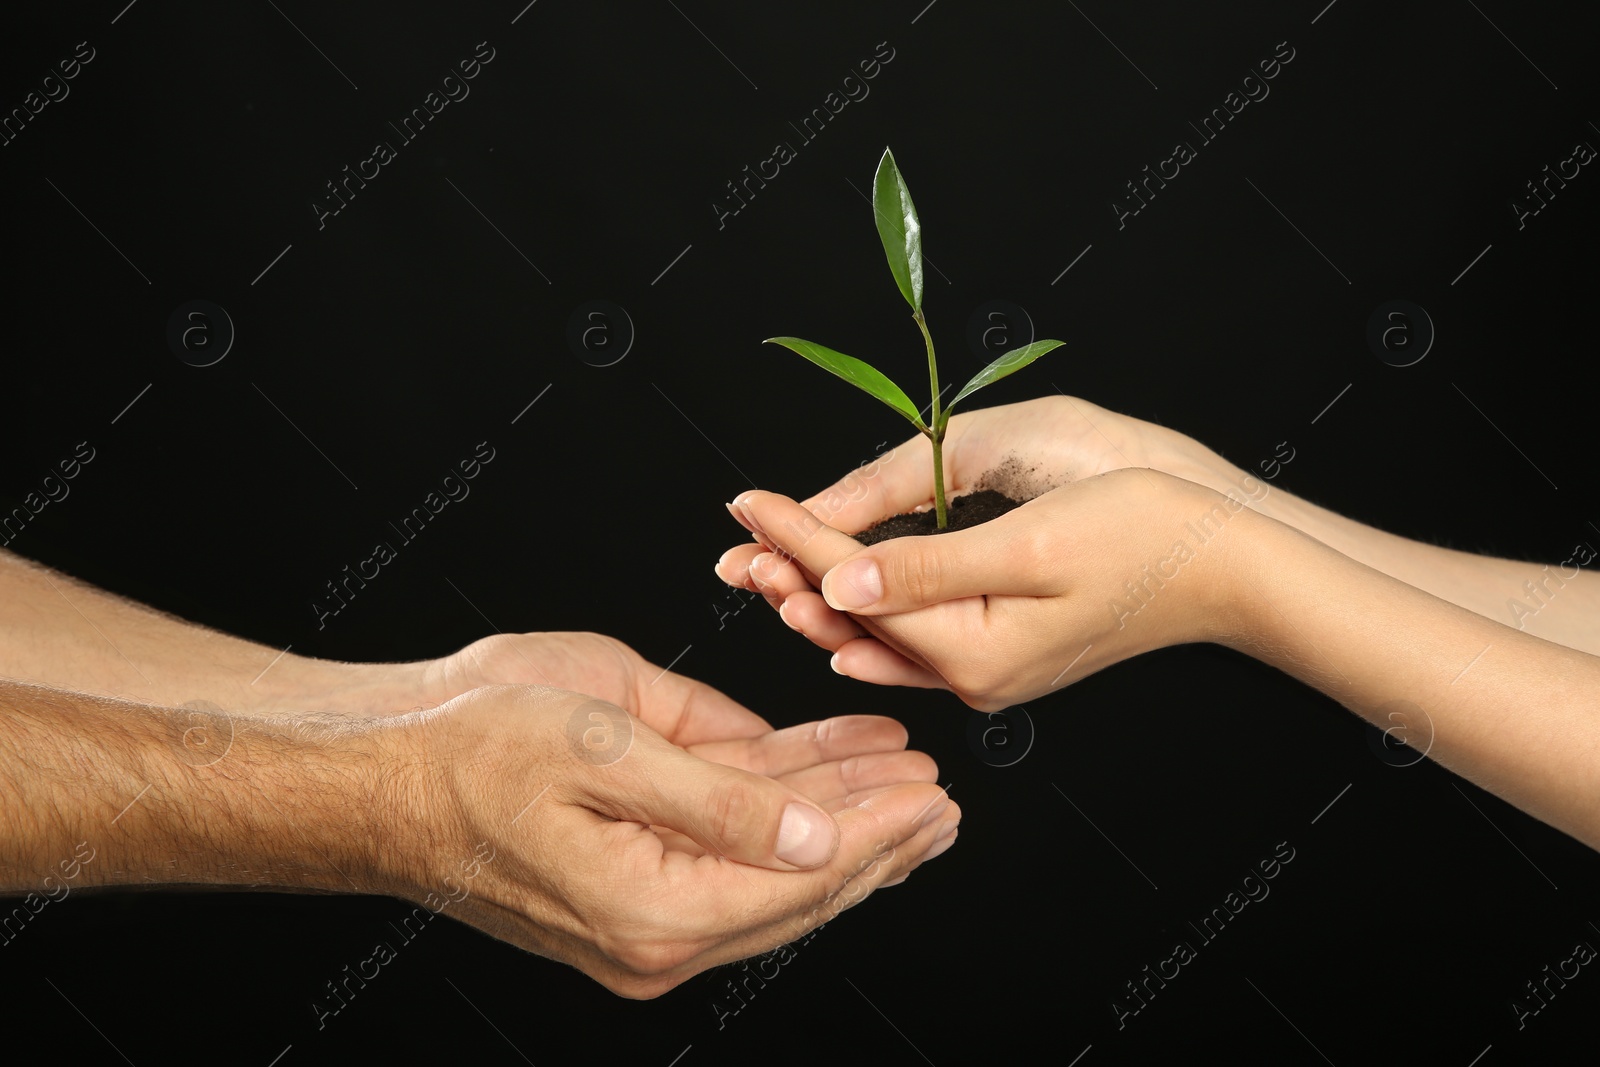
(1006, 487)
(963, 512)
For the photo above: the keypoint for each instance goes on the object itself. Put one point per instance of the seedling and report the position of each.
(901, 234)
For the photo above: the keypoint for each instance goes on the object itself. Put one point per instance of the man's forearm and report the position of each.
(95, 791)
(61, 633)
(1516, 714)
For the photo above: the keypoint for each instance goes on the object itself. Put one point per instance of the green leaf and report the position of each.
(899, 229)
(1009, 363)
(861, 375)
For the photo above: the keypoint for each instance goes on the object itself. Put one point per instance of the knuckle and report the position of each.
(914, 571)
(730, 807)
(651, 957)
(877, 495)
(985, 702)
(492, 644)
(973, 678)
(621, 649)
(825, 507)
(641, 945)
(994, 687)
(636, 986)
(1033, 550)
(486, 652)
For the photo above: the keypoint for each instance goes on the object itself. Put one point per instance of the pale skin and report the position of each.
(678, 833)
(1028, 602)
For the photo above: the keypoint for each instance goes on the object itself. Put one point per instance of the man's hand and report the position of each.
(868, 750)
(635, 861)
(548, 818)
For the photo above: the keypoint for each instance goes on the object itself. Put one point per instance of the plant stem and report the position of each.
(935, 424)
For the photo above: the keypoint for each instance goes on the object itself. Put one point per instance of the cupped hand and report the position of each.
(641, 863)
(864, 751)
(1077, 579)
(1053, 440)
(1035, 445)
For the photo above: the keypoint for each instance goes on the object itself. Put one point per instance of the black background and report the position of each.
(407, 329)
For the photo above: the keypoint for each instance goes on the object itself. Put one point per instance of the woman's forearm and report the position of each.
(1558, 601)
(1517, 714)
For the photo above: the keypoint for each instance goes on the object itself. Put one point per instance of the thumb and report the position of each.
(998, 558)
(743, 816)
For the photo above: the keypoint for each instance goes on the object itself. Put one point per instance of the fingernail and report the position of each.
(853, 585)
(939, 848)
(738, 516)
(722, 559)
(764, 568)
(750, 519)
(897, 881)
(805, 838)
(782, 609)
(834, 663)
(936, 809)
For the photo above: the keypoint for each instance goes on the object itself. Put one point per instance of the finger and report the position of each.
(705, 911)
(743, 518)
(734, 565)
(807, 745)
(946, 840)
(875, 660)
(870, 660)
(796, 533)
(738, 815)
(880, 839)
(837, 785)
(774, 575)
(799, 605)
(887, 863)
(816, 548)
(1006, 556)
(688, 712)
(843, 783)
(898, 481)
(809, 614)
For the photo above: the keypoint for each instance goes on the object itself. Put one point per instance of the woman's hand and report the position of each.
(1052, 440)
(1082, 577)
(1035, 446)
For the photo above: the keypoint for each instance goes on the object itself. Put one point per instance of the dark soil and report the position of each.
(1010, 485)
(963, 512)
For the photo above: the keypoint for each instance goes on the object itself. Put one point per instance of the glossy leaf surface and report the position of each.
(899, 229)
(1009, 363)
(859, 374)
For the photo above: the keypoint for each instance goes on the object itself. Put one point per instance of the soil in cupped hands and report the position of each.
(999, 491)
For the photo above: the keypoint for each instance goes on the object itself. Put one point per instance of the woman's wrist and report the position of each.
(1239, 608)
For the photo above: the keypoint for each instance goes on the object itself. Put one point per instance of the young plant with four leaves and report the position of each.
(901, 234)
